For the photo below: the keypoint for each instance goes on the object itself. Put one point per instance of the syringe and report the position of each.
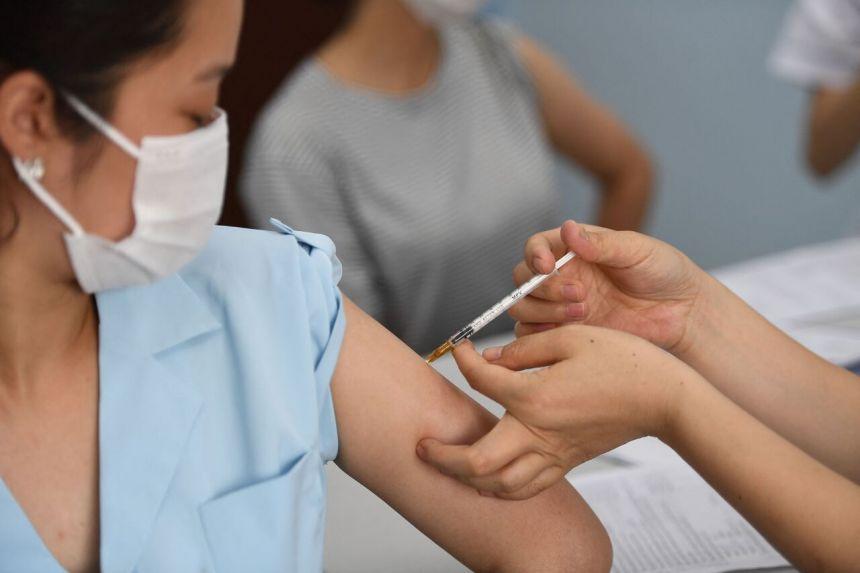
(495, 311)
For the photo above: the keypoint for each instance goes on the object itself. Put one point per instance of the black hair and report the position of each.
(83, 46)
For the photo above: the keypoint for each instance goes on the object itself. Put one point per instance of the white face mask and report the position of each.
(177, 199)
(441, 12)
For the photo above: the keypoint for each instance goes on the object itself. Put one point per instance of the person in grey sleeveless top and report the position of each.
(421, 139)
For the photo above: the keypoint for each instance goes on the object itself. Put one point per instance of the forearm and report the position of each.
(834, 128)
(625, 198)
(807, 511)
(801, 396)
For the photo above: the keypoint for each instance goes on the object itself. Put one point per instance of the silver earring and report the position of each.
(35, 168)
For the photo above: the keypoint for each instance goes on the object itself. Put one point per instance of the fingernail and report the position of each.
(584, 234)
(493, 354)
(421, 450)
(570, 292)
(575, 310)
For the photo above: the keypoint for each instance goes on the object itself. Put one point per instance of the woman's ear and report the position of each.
(28, 121)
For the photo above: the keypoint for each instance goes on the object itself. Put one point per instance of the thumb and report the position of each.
(616, 249)
(495, 382)
(535, 350)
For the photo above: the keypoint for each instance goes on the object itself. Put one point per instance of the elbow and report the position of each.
(645, 172)
(571, 540)
(594, 555)
(819, 163)
(592, 552)
(636, 172)
(597, 558)
(580, 551)
(825, 150)
(629, 191)
(837, 554)
(825, 564)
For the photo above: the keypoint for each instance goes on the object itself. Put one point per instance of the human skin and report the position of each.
(833, 128)
(770, 425)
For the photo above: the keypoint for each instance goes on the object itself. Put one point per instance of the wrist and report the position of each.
(683, 393)
(704, 325)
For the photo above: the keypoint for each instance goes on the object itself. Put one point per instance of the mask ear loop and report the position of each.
(103, 126)
(46, 198)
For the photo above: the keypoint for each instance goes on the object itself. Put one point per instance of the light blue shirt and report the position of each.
(215, 414)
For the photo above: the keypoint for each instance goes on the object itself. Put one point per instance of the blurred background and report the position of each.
(689, 76)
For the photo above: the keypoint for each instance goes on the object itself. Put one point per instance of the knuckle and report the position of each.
(512, 351)
(477, 463)
(551, 290)
(508, 482)
(533, 242)
(547, 291)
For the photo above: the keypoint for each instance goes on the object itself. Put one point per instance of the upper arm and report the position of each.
(386, 399)
(579, 126)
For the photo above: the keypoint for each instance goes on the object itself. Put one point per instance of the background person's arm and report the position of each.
(833, 130)
(591, 137)
(386, 399)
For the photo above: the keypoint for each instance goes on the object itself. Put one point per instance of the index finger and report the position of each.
(496, 382)
(543, 249)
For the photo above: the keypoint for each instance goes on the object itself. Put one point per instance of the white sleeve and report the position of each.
(819, 44)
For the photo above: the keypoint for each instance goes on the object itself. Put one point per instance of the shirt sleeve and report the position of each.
(291, 175)
(819, 45)
(321, 272)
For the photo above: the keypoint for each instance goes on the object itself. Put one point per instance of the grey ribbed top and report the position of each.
(429, 197)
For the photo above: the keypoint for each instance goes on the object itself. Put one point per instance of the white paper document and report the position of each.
(669, 520)
(812, 293)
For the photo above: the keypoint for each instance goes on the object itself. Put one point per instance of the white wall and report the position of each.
(690, 76)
